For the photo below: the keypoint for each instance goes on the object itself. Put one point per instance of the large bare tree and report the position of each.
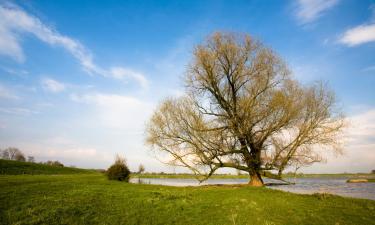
(243, 110)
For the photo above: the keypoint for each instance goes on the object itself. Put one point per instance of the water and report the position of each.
(337, 186)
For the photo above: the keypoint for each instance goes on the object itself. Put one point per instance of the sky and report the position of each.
(80, 79)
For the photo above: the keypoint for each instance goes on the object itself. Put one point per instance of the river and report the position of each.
(337, 186)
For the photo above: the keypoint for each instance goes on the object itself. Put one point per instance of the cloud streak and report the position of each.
(14, 22)
(310, 10)
(51, 85)
(358, 35)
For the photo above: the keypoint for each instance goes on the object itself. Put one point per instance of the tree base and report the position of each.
(256, 180)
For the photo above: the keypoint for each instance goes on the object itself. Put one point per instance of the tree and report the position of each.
(242, 109)
(12, 153)
(141, 169)
(19, 157)
(54, 163)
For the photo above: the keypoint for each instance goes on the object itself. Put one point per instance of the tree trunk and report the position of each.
(255, 179)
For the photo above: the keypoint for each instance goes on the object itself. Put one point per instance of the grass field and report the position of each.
(76, 196)
(92, 199)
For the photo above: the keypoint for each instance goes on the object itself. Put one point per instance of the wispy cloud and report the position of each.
(358, 35)
(123, 73)
(14, 21)
(359, 154)
(51, 85)
(309, 10)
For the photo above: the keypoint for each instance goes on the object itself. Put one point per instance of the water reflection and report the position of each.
(336, 186)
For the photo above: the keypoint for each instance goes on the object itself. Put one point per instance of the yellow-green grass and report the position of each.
(92, 199)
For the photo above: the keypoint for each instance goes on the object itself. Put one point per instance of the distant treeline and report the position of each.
(12, 167)
(12, 153)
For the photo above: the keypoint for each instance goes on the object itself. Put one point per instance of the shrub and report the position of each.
(119, 170)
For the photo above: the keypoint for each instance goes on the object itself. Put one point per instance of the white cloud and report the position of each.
(9, 45)
(52, 85)
(15, 21)
(359, 154)
(121, 73)
(358, 35)
(310, 10)
(362, 128)
(118, 111)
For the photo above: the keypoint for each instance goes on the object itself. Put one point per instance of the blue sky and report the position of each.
(79, 80)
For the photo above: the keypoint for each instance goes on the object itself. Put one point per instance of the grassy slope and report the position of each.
(92, 199)
(15, 167)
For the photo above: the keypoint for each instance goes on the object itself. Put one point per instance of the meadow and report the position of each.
(87, 197)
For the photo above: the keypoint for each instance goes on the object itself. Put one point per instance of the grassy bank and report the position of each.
(92, 199)
(14, 167)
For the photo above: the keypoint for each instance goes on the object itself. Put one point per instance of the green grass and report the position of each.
(92, 199)
(15, 167)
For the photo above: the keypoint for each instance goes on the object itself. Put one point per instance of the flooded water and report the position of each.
(337, 186)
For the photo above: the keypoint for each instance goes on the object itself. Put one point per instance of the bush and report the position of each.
(119, 170)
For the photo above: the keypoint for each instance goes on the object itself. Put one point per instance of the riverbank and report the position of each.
(92, 199)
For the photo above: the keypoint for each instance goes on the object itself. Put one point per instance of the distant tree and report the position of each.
(54, 163)
(119, 170)
(141, 169)
(5, 154)
(19, 157)
(31, 159)
(242, 109)
(373, 171)
(12, 153)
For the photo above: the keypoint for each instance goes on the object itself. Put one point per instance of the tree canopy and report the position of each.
(243, 109)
